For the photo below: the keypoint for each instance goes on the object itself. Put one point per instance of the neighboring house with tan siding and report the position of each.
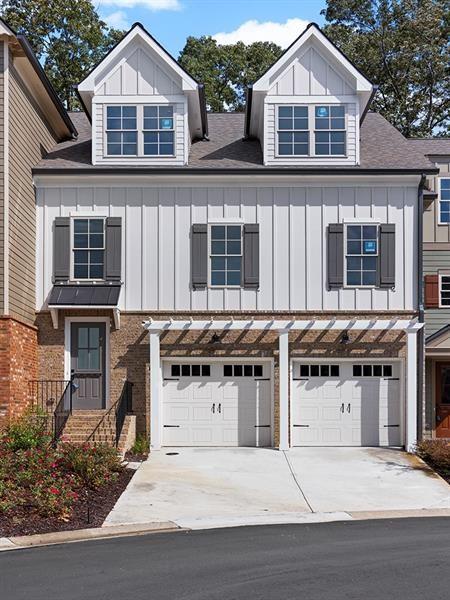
(32, 121)
(436, 269)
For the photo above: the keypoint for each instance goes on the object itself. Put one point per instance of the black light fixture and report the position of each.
(345, 338)
(215, 339)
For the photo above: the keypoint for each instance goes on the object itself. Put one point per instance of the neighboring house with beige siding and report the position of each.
(32, 121)
(436, 269)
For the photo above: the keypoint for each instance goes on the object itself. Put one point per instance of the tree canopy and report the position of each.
(69, 38)
(403, 46)
(226, 70)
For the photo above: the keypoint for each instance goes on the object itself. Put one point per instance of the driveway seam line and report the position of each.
(297, 483)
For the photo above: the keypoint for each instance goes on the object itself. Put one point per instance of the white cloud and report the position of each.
(282, 34)
(118, 20)
(153, 5)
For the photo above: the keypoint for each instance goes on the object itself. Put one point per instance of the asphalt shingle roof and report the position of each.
(382, 147)
(432, 146)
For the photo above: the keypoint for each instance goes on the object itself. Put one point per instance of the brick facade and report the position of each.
(18, 365)
(129, 349)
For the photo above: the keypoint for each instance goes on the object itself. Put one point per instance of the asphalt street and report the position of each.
(362, 560)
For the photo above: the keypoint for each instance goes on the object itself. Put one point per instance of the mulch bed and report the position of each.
(135, 457)
(87, 513)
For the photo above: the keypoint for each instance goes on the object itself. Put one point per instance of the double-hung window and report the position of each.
(330, 138)
(293, 131)
(88, 248)
(361, 255)
(226, 255)
(444, 290)
(444, 200)
(121, 130)
(158, 131)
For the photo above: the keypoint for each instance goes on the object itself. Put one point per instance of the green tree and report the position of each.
(69, 38)
(226, 70)
(403, 46)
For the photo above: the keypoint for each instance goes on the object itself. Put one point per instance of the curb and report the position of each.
(83, 535)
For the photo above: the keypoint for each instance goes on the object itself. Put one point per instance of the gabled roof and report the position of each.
(137, 31)
(313, 31)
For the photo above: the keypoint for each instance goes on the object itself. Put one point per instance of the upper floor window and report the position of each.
(88, 248)
(293, 131)
(444, 290)
(444, 200)
(158, 131)
(330, 130)
(226, 255)
(121, 130)
(361, 255)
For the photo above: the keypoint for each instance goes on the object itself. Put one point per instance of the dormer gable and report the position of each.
(307, 107)
(144, 107)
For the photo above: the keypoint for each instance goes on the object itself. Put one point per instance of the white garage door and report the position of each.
(346, 404)
(216, 404)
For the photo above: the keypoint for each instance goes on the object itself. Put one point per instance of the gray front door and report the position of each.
(88, 365)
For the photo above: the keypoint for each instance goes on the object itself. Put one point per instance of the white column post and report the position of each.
(155, 392)
(411, 390)
(283, 388)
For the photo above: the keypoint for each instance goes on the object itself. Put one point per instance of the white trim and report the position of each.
(284, 378)
(294, 325)
(439, 179)
(411, 391)
(135, 100)
(155, 392)
(6, 178)
(67, 345)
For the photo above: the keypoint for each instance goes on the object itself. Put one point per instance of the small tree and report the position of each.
(69, 38)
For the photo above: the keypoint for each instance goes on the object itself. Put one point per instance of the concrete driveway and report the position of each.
(215, 487)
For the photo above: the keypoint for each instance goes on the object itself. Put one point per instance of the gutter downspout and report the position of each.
(420, 299)
(6, 178)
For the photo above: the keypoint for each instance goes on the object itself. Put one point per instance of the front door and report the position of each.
(88, 365)
(443, 400)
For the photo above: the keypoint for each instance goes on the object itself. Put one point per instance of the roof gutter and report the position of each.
(47, 85)
(248, 111)
(375, 89)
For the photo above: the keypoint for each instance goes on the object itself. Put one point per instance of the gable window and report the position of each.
(444, 290)
(293, 131)
(330, 138)
(361, 255)
(444, 200)
(121, 130)
(226, 255)
(88, 248)
(158, 131)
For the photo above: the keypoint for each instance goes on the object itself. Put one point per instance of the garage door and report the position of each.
(346, 404)
(216, 404)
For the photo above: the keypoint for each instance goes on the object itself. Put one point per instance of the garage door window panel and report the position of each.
(372, 370)
(319, 370)
(190, 370)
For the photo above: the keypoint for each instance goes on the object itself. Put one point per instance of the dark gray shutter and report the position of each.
(251, 256)
(335, 256)
(113, 233)
(61, 249)
(386, 259)
(199, 255)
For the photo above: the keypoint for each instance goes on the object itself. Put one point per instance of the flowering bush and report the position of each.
(48, 481)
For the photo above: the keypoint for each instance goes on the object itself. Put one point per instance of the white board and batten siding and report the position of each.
(293, 219)
(138, 78)
(312, 79)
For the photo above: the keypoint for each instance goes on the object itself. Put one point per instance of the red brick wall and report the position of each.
(18, 365)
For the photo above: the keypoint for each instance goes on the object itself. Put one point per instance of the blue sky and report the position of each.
(171, 21)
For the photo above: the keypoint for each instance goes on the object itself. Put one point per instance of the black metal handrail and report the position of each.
(116, 412)
(62, 411)
(45, 394)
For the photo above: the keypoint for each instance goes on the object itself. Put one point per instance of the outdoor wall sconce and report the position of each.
(215, 339)
(345, 338)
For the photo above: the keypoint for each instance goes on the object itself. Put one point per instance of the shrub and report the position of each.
(436, 453)
(95, 465)
(141, 444)
(27, 432)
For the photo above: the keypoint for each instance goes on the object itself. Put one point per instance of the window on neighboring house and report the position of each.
(226, 255)
(121, 130)
(444, 290)
(330, 137)
(158, 131)
(88, 248)
(444, 200)
(293, 131)
(361, 255)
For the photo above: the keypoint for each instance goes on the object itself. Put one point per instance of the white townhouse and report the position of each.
(256, 276)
